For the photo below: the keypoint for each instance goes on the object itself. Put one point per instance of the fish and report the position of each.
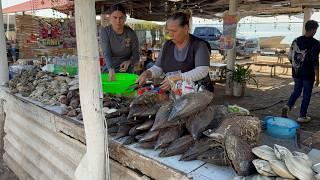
(166, 136)
(130, 140)
(179, 146)
(126, 121)
(143, 110)
(133, 131)
(216, 156)
(161, 119)
(139, 136)
(199, 122)
(199, 147)
(189, 104)
(220, 113)
(150, 136)
(123, 131)
(146, 145)
(239, 154)
(113, 129)
(149, 98)
(246, 127)
(146, 125)
(122, 111)
(115, 120)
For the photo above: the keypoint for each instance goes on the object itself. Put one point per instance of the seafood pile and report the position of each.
(190, 126)
(280, 163)
(53, 90)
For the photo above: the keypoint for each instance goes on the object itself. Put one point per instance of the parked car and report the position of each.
(210, 34)
(246, 46)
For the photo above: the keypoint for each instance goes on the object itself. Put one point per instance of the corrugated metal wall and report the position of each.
(41, 145)
(34, 148)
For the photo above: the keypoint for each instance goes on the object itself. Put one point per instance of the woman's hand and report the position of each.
(111, 75)
(124, 66)
(170, 81)
(143, 77)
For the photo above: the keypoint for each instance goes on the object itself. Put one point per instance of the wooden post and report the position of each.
(94, 162)
(4, 72)
(306, 17)
(231, 54)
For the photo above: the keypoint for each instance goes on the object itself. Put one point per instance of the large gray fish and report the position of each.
(246, 127)
(239, 154)
(179, 146)
(146, 145)
(189, 104)
(149, 98)
(198, 148)
(115, 120)
(150, 136)
(215, 156)
(133, 131)
(122, 111)
(139, 136)
(143, 110)
(199, 122)
(113, 129)
(161, 120)
(130, 140)
(123, 131)
(166, 136)
(146, 125)
(220, 113)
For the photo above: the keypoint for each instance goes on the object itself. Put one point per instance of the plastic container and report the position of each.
(71, 71)
(280, 127)
(121, 85)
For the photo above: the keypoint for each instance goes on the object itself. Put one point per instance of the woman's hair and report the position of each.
(117, 7)
(181, 17)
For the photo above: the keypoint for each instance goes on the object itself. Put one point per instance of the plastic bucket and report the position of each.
(280, 127)
(120, 85)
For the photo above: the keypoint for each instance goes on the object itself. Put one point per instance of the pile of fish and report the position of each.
(191, 126)
(281, 163)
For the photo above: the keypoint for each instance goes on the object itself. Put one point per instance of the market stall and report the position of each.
(43, 142)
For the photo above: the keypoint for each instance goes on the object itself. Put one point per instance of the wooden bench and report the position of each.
(273, 66)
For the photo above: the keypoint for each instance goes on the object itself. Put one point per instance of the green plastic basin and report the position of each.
(120, 85)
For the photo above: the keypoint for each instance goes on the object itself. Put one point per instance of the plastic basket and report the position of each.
(280, 127)
(121, 85)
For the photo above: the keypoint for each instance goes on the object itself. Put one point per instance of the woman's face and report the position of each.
(177, 33)
(117, 19)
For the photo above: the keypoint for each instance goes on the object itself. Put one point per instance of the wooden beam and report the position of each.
(90, 92)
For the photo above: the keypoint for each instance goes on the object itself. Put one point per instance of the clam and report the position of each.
(263, 167)
(299, 167)
(281, 169)
(281, 152)
(264, 152)
(316, 168)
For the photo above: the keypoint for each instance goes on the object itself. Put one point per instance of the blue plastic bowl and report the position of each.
(280, 127)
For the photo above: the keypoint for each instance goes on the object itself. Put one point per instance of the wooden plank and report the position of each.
(144, 164)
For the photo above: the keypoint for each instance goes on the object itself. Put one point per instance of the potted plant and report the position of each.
(240, 76)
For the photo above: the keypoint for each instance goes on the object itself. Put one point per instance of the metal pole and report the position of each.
(4, 72)
(231, 54)
(307, 16)
(94, 164)
(8, 24)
